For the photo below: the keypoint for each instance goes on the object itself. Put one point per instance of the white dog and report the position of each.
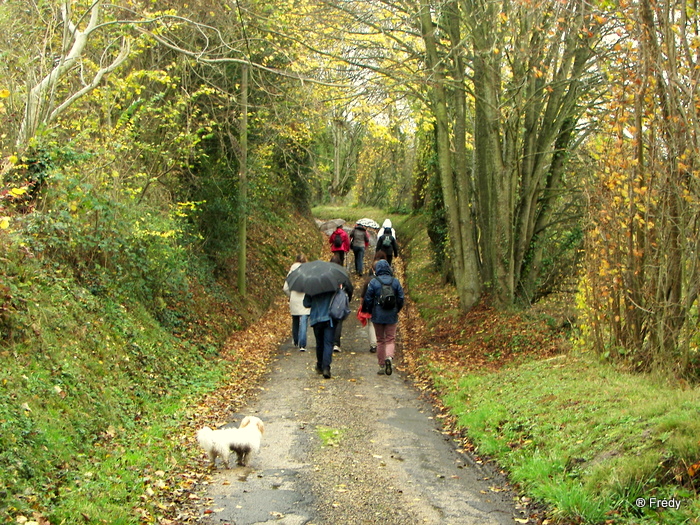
(243, 440)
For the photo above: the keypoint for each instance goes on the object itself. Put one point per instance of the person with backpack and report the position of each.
(387, 243)
(359, 241)
(371, 334)
(323, 325)
(387, 224)
(385, 299)
(340, 243)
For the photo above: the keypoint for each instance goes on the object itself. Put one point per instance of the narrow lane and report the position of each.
(384, 460)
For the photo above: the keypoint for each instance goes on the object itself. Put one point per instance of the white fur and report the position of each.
(243, 440)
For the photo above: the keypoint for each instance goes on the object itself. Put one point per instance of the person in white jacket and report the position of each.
(300, 314)
(387, 224)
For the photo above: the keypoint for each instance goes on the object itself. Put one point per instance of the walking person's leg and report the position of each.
(295, 329)
(302, 334)
(328, 335)
(372, 335)
(337, 333)
(379, 329)
(360, 260)
(389, 347)
(319, 334)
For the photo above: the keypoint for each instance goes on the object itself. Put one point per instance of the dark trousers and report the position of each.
(337, 332)
(324, 333)
(341, 254)
(359, 258)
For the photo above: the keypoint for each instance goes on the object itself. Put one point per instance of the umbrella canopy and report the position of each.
(317, 277)
(368, 223)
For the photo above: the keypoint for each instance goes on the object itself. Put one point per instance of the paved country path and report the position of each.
(359, 448)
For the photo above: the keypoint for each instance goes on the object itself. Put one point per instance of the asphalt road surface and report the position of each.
(359, 448)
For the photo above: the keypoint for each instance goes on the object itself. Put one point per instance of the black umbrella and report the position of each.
(317, 277)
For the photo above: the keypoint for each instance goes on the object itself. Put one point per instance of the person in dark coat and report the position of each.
(385, 320)
(387, 243)
(338, 330)
(323, 327)
(371, 335)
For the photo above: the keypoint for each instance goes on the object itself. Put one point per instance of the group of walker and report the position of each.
(313, 288)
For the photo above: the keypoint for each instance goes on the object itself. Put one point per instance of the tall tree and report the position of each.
(532, 70)
(47, 99)
(460, 223)
(643, 275)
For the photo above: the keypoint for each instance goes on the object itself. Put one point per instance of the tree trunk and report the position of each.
(494, 178)
(461, 227)
(337, 128)
(243, 185)
(463, 176)
(670, 313)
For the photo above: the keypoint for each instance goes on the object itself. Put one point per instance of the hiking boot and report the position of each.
(319, 370)
(381, 370)
(336, 348)
(302, 349)
(387, 366)
(327, 372)
(372, 349)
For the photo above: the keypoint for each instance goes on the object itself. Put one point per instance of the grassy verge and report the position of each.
(86, 404)
(100, 393)
(576, 434)
(352, 214)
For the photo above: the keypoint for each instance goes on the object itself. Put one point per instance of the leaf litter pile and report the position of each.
(482, 340)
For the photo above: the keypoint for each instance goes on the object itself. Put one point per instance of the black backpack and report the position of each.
(337, 240)
(387, 297)
(388, 237)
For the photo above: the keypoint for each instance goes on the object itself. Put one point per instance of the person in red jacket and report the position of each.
(340, 243)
